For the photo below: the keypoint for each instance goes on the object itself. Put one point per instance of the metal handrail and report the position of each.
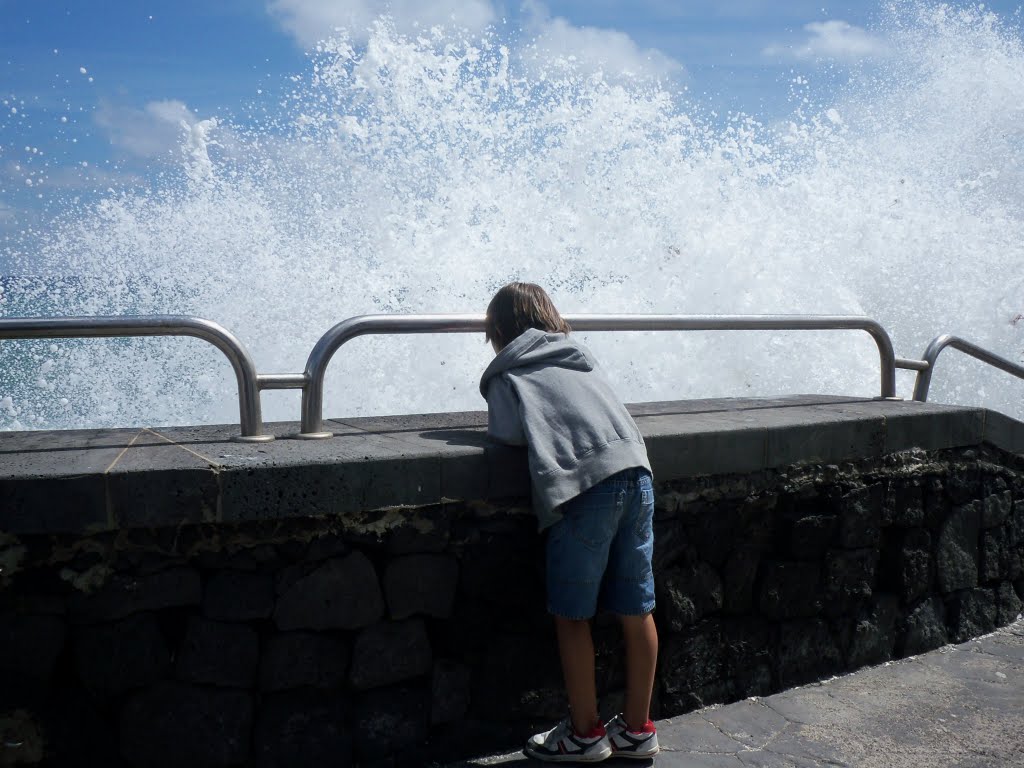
(251, 420)
(330, 342)
(939, 343)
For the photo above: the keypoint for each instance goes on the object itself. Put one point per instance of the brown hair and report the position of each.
(519, 306)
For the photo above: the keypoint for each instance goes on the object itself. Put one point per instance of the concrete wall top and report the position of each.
(86, 481)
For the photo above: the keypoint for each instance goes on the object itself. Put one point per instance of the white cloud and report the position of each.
(608, 50)
(833, 39)
(310, 21)
(148, 132)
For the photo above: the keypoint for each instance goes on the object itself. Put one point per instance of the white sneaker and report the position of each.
(563, 745)
(634, 744)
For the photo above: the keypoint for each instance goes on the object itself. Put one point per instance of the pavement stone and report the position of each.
(960, 705)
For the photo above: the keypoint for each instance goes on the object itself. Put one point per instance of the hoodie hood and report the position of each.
(534, 347)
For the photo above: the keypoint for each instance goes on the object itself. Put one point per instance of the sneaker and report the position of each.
(635, 744)
(563, 745)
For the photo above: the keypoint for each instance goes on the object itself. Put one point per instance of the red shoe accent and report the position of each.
(595, 733)
(648, 728)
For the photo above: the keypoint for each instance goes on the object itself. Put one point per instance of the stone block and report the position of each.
(124, 595)
(671, 545)
(687, 594)
(503, 568)
(29, 648)
(713, 531)
(303, 659)
(758, 521)
(914, 565)
(956, 557)
(790, 590)
(994, 555)
(937, 503)
(239, 596)
(971, 612)
(340, 594)
(428, 531)
(390, 721)
(1008, 604)
(219, 654)
(849, 576)
(421, 584)
(964, 484)
(807, 651)
(172, 725)
(811, 536)
(860, 514)
(450, 692)
(749, 645)
(996, 509)
(904, 504)
(114, 658)
(302, 730)
(924, 627)
(520, 677)
(691, 666)
(740, 575)
(389, 653)
(874, 635)
(326, 546)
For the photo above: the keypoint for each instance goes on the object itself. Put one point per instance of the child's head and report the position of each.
(519, 306)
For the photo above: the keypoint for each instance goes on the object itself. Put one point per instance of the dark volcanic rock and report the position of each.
(390, 652)
(302, 730)
(391, 720)
(925, 627)
(421, 584)
(173, 725)
(957, 550)
(340, 594)
(114, 658)
(239, 596)
(218, 654)
(298, 659)
(125, 595)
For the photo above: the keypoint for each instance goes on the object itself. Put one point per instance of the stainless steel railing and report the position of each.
(311, 380)
(251, 421)
(330, 342)
(939, 343)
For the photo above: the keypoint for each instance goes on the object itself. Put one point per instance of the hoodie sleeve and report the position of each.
(504, 424)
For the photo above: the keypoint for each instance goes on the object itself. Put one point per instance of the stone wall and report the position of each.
(402, 636)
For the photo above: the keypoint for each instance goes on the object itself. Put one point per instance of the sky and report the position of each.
(94, 93)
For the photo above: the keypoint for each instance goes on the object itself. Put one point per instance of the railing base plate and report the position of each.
(252, 438)
(312, 435)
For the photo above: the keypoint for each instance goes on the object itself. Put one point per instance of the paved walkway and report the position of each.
(958, 707)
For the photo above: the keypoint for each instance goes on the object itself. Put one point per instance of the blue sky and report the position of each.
(92, 92)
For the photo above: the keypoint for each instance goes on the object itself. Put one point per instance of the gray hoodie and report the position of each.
(545, 391)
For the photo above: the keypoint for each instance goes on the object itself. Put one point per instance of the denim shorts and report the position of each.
(599, 553)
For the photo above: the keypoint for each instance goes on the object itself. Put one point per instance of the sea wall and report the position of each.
(170, 598)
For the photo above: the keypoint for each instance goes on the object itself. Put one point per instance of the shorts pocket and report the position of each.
(643, 527)
(590, 519)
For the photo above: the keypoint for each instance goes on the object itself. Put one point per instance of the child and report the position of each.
(592, 492)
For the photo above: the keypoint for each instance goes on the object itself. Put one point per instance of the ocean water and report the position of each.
(419, 175)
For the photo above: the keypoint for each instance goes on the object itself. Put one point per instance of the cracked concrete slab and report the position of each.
(958, 706)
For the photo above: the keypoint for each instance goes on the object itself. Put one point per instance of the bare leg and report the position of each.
(577, 650)
(641, 638)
